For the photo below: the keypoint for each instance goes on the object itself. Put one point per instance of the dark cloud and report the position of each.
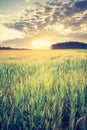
(47, 19)
(54, 3)
(20, 25)
(37, 4)
(36, 16)
(41, 26)
(39, 12)
(48, 9)
(76, 7)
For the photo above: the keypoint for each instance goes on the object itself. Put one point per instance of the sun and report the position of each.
(40, 44)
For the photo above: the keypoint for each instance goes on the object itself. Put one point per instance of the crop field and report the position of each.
(43, 90)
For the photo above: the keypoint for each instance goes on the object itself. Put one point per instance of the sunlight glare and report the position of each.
(41, 44)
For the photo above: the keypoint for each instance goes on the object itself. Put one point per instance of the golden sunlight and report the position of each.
(39, 44)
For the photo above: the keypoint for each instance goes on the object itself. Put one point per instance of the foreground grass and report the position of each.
(43, 90)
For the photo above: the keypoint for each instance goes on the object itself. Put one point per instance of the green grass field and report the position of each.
(43, 90)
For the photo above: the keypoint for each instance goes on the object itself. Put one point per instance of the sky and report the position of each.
(39, 23)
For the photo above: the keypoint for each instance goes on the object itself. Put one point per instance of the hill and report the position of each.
(9, 48)
(69, 45)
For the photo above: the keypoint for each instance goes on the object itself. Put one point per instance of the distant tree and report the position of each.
(69, 45)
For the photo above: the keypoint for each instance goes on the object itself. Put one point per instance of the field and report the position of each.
(43, 90)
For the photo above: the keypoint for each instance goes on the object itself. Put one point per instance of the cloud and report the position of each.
(48, 9)
(75, 7)
(26, 0)
(65, 17)
(8, 34)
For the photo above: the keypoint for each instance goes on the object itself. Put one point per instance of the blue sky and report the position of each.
(9, 6)
(33, 23)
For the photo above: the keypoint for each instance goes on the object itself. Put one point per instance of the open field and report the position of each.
(43, 90)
